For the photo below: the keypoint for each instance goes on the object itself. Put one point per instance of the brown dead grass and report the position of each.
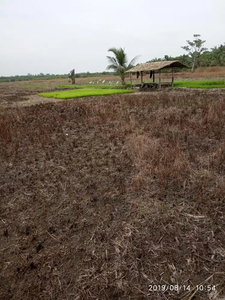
(101, 198)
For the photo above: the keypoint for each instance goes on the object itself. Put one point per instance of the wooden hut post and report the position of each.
(141, 76)
(159, 79)
(153, 74)
(172, 76)
(131, 79)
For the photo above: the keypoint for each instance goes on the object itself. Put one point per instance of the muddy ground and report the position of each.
(116, 197)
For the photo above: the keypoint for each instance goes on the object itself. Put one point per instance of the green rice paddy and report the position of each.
(77, 93)
(96, 86)
(201, 84)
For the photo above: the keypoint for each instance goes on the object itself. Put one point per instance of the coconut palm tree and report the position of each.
(118, 63)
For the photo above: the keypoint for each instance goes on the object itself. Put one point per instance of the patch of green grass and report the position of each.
(83, 93)
(96, 86)
(201, 84)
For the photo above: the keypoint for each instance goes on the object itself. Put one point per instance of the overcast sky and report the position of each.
(46, 36)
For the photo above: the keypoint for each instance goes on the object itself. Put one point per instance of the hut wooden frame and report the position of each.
(156, 67)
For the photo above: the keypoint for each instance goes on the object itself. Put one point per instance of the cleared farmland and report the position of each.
(102, 198)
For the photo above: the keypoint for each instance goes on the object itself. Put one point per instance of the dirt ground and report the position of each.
(118, 197)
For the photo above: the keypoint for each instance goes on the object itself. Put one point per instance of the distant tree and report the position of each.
(218, 55)
(207, 59)
(155, 59)
(168, 58)
(185, 59)
(195, 49)
(119, 62)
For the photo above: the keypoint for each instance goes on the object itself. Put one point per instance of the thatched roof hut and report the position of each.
(156, 67)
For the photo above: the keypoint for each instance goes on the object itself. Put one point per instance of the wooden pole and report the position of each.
(141, 76)
(131, 79)
(172, 77)
(153, 74)
(159, 79)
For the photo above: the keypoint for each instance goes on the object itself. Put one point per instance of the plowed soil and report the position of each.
(118, 197)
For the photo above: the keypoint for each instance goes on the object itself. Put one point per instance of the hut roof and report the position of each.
(158, 65)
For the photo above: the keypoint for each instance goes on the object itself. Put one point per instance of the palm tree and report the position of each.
(119, 62)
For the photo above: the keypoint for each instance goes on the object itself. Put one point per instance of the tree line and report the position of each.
(48, 76)
(197, 55)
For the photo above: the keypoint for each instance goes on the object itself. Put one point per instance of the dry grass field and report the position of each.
(104, 197)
